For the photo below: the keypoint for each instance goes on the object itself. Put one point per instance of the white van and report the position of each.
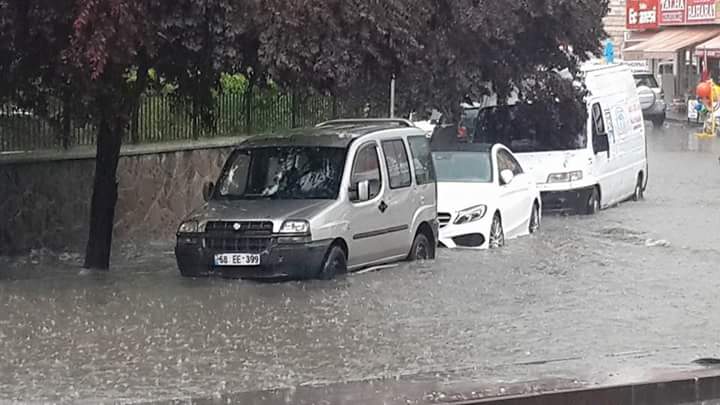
(603, 166)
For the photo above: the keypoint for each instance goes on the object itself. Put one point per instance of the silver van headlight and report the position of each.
(295, 227)
(191, 226)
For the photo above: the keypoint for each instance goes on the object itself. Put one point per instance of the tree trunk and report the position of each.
(104, 198)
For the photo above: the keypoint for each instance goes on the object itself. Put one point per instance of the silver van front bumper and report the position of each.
(277, 260)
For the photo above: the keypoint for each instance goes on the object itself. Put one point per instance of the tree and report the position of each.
(442, 52)
(346, 47)
(471, 47)
(97, 53)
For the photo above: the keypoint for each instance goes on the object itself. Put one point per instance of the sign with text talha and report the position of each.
(642, 14)
(701, 11)
(672, 12)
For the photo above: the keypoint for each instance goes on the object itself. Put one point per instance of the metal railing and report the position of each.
(161, 118)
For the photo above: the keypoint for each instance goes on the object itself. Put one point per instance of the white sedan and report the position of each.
(484, 196)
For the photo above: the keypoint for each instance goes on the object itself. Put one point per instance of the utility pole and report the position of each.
(392, 97)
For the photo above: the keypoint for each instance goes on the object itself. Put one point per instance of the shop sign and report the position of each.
(688, 12)
(701, 11)
(672, 12)
(642, 14)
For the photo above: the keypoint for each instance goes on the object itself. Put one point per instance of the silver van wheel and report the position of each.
(335, 263)
(497, 234)
(421, 249)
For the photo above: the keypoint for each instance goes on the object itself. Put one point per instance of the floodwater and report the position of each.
(603, 299)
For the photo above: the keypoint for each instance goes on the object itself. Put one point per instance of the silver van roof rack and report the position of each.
(360, 121)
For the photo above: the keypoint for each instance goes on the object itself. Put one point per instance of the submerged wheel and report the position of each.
(421, 249)
(497, 234)
(335, 263)
(639, 192)
(593, 203)
(534, 219)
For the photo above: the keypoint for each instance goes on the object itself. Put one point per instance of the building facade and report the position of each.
(674, 37)
(615, 22)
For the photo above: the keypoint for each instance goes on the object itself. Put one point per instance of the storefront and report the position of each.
(669, 34)
(709, 52)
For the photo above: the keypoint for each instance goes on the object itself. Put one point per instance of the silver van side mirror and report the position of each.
(506, 176)
(363, 191)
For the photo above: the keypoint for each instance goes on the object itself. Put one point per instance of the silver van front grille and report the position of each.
(239, 245)
(240, 236)
(240, 227)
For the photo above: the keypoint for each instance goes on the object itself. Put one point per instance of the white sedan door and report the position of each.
(515, 197)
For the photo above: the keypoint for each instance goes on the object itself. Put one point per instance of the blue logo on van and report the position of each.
(620, 120)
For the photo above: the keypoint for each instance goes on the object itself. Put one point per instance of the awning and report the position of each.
(633, 38)
(667, 43)
(712, 47)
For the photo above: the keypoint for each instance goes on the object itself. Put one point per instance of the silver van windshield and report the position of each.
(285, 173)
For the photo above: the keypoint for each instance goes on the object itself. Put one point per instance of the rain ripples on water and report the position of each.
(635, 286)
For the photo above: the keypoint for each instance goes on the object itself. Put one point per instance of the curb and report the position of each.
(679, 387)
(688, 390)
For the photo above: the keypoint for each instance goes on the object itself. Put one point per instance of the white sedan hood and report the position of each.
(454, 197)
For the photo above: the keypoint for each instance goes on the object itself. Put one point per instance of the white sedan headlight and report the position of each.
(295, 227)
(566, 177)
(190, 227)
(470, 215)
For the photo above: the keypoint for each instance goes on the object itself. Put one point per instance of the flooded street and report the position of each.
(596, 298)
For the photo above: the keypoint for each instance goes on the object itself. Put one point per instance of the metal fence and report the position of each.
(161, 118)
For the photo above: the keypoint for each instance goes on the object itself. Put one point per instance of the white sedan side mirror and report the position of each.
(506, 176)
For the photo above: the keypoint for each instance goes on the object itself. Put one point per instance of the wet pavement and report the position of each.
(605, 299)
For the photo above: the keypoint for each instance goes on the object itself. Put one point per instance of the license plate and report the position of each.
(237, 259)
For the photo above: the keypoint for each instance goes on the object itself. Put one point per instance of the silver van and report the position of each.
(346, 195)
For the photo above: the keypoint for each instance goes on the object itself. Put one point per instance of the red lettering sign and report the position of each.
(688, 12)
(642, 14)
(700, 12)
(672, 12)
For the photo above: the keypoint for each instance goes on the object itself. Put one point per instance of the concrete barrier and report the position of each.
(687, 390)
(698, 387)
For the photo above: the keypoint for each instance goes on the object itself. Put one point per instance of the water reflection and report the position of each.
(680, 138)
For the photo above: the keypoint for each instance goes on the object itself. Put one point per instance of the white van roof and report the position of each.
(593, 66)
(592, 69)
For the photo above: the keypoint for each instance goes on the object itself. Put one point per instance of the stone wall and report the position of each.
(46, 203)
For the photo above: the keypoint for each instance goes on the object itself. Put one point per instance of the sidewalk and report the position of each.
(681, 118)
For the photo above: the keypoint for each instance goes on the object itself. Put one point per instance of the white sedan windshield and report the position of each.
(463, 167)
